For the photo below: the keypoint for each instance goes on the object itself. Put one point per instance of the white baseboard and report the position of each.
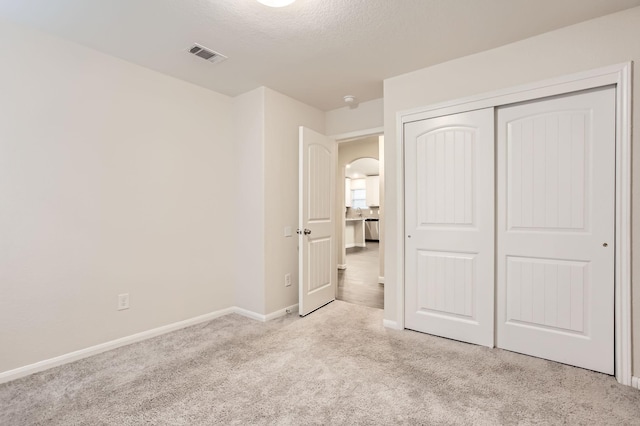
(380, 280)
(352, 245)
(635, 382)
(46, 364)
(282, 312)
(249, 314)
(342, 266)
(268, 317)
(391, 324)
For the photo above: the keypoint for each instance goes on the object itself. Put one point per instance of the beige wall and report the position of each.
(249, 184)
(283, 116)
(608, 40)
(368, 115)
(266, 138)
(113, 179)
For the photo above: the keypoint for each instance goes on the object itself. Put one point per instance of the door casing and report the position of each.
(618, 75)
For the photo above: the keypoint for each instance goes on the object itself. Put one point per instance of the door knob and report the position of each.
(307, 231)
(605, 245)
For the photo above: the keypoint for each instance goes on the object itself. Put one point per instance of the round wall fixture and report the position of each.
(276, 3)
(351, 101)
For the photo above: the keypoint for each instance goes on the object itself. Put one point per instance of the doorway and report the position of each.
(360, 271)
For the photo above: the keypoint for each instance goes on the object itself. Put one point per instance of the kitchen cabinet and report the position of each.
(354, 233)
(358, 184)
(373, 191)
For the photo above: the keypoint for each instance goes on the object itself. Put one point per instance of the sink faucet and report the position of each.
(359, 210)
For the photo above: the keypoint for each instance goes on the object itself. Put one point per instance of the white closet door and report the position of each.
(449, 225)
(556, 200)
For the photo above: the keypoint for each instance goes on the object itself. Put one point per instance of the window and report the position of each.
(358, 198)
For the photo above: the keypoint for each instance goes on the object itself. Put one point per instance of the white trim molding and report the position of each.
(635, 382)
(391, 324)
(46, 364)
(352, 245)
(615, 75)
(250, 314)
(282, 312)
(347, 137)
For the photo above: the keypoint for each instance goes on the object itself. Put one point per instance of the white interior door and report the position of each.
(556, 200)
(449, 225)
(317, 257)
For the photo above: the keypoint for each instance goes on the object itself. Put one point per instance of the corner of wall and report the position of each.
(249, 143)
(283, 117)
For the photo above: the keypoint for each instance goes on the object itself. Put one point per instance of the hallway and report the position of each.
(359, 282)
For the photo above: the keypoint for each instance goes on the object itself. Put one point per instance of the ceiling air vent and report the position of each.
(207, 54)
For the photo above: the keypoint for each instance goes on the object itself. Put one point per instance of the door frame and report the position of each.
(341, 138)
(618, 75)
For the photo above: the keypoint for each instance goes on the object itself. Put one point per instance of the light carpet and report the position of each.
(336, 366)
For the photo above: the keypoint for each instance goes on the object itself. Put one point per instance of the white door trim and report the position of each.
(620, 76)
(358, 134)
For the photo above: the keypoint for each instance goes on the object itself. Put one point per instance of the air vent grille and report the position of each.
(207, 54)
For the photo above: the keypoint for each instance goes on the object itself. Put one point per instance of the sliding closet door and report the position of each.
(449, 226)
(555, 228)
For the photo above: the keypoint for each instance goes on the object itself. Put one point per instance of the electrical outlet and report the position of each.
(123, 301)
(287, 231)
(287, 280)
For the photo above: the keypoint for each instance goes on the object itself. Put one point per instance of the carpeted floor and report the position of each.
(336, 366)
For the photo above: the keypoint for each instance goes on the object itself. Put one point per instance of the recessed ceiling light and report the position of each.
(276, 3)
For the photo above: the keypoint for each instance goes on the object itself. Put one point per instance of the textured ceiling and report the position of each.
(316, 51)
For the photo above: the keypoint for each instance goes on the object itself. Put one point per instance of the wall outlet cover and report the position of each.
(123, 301)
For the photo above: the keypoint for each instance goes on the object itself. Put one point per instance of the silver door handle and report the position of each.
(305, 232)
